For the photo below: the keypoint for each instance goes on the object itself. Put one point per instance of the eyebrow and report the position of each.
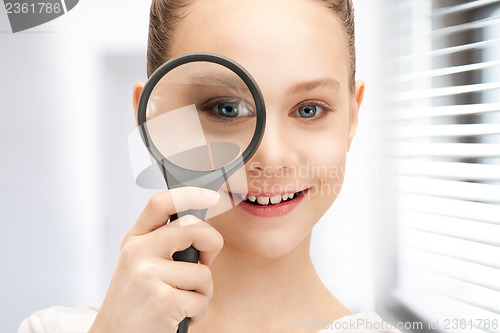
(314, 84)
(218, 79)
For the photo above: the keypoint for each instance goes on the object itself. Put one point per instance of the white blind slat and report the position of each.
(449, 189)
(442, 111)
(461, 269)
(458, 150)
(475, 231)
(444, 71)
(452, 247)
(444, 170)
(474, 211)
(448, 50)
(438, 33)
(445, 91)
(462, 7)
(446, 130)
(469, 293)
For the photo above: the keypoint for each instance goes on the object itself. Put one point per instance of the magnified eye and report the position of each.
(228, 109)
(308, 111)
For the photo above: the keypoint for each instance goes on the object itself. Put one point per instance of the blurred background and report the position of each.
(414, 235)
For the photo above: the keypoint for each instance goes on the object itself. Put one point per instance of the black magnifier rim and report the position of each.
(203, 57)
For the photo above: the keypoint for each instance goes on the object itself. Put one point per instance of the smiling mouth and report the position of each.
(262, 200)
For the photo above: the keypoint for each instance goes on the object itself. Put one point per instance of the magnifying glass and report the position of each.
(201, 117)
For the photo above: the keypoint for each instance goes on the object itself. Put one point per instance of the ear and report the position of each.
(135, 96)
(355, 105)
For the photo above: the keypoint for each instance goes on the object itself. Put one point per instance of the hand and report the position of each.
(149, 292)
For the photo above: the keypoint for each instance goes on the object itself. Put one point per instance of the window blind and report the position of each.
(443, 139)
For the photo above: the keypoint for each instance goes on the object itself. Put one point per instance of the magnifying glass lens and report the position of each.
(201, 116)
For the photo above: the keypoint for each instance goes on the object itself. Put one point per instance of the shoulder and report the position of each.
(59, 319)
(364, 322)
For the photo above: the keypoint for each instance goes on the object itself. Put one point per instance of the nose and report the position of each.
(276, 150)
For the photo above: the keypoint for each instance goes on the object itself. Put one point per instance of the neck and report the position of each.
(268, 288)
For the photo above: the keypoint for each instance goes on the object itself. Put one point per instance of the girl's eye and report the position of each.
(228, 109)
(308, 111)
(311, 111)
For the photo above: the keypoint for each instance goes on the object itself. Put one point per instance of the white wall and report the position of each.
(68, 195)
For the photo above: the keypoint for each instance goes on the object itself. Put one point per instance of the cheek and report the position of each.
(327, 185)
(324, 147)
(325, 138)
(326, 160)
(328, 179)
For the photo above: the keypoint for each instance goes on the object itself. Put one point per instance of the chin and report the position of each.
(264, 243)
(268, 247)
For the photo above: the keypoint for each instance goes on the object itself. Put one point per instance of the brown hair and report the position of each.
(165, 14)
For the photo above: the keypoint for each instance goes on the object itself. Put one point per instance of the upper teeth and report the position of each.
(263, 200)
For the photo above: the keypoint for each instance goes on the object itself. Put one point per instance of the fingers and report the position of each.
(173, 237)
(185, 288)
(163, 204)
(194, 306)
(186, 276)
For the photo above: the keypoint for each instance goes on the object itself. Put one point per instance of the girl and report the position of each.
(255, 273)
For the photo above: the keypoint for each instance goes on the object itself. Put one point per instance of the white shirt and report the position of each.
(58, 319)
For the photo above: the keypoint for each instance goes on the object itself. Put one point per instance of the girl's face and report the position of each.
(297, 52)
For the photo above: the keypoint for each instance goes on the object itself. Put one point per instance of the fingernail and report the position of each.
(211, 195)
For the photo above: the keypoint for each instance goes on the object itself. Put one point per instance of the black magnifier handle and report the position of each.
(188, 255)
